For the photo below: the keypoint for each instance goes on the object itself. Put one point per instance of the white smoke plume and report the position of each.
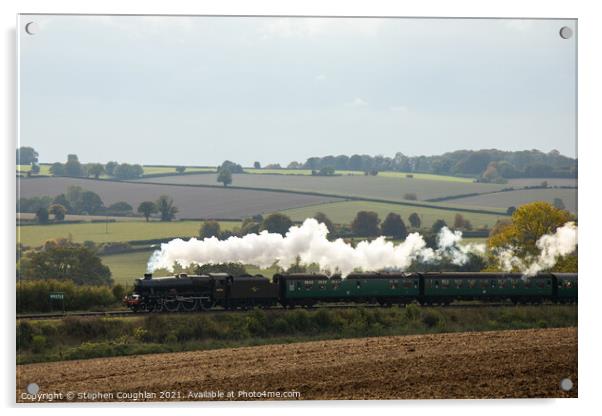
(551, 246)
(310, 245)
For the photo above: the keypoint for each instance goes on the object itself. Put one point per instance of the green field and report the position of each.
(344, 212)
(36, 235)
(127, 266)
(153, 170)
(386, 174)
(148, 170)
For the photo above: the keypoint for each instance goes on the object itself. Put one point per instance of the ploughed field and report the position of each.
(192, 202)
(520, 197)
(496, 364)
(375, 187)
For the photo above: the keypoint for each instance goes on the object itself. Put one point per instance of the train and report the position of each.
(189, 293)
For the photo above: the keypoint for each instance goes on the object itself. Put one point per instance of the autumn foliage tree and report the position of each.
(529, 223)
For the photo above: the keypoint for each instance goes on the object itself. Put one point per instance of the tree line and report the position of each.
(79, 201)
(486, 164)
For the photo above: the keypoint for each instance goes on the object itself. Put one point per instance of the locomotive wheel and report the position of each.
(172, 305)
(156, 307)
(207, 304)
(189, 306)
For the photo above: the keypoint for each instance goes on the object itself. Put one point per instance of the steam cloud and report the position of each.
(551, 246)
(310, 245)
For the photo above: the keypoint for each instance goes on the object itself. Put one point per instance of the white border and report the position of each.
(590, 34)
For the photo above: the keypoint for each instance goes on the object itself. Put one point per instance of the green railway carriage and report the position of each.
(566, 287)
(443, 288)
(382, 288)
(189, 293)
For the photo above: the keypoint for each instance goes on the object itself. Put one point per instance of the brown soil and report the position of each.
(497, 364)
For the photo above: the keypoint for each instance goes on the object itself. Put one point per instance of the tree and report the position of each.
(73, 167)
(95, 169)
(110, 168)
(147, 208)
(209, 229)
(58, 211)
(394, 226)
(180, 169)
(438, 225)
(414, 220)
(277, 223)
(120, 208)
(231, 166)
(511, 210)
(250, 226)
(65, 260)
(326, 171)
(42, 215)
(127, 171)
(166, 208)
(459, 222)
(322, 218)
(257, 165)
(365, 223)
(90, 202)
(559, 203)
(410, 196)
(26, 156)
(224, 176)
(57, 169)
(61, 199)
(35, 168)
(529, 223)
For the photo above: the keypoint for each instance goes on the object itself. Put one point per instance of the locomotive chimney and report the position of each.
(148, 276)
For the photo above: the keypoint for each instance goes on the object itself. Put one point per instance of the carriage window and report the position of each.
(393, 284)
(445, 283)
(472, 283)
(358, 284)
(299, 285)
(291, 286)
(493, 283)
(436, 284)
(415, 284)
(458, 283)
(484, 284)
(335, 284)
(309, 284)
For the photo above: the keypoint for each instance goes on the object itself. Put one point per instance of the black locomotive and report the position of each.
(189, 293)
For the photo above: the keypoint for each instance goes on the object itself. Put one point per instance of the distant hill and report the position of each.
(488, 165)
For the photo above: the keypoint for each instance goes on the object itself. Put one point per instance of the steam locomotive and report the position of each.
(188, 293)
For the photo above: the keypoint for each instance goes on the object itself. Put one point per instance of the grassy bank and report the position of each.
(80, 338)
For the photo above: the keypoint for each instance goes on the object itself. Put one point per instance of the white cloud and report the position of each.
(357, 102)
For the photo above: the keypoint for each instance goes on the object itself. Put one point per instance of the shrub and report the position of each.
(412, 312)
(38, 342)
(433, 318)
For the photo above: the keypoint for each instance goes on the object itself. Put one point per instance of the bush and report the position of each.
(38, 342)
(33, 296)
(433, 318)
(412, 312)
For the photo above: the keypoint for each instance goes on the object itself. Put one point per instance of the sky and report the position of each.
(199, 90)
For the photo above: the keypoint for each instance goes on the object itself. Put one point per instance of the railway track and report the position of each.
(42, 316)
